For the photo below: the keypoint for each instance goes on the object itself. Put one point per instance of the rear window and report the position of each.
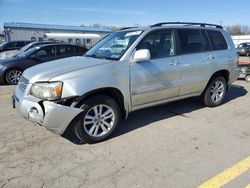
(192, 41)
(217, 39)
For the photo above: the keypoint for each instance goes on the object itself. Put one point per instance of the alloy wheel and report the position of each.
(99, 120)
(217, 91)
(13, 76)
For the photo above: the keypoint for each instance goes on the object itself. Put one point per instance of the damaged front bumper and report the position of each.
(54, 117)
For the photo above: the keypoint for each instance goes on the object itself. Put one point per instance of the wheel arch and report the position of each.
(11, 68)
(112, 92)
(225, 73)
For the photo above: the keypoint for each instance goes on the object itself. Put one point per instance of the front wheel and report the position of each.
(99, 119)
(215, 92)
(13, 76)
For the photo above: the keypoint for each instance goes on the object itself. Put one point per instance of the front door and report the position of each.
(157, 79)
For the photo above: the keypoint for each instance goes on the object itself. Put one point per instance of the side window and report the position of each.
(159, 43)
(20, 44)
(217, 40)
(10, 45)
(46, 52)
(191, 41)
(66, 50)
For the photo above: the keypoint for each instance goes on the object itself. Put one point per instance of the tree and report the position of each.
(97, 25)
(238, 29)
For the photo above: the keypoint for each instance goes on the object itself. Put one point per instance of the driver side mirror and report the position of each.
(141, 55)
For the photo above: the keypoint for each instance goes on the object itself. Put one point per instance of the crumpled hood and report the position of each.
(49, 70)
(9, 54)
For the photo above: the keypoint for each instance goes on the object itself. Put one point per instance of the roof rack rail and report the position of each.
(124, 28)
(186, 23)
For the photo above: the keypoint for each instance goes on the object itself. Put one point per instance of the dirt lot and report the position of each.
(181, 144)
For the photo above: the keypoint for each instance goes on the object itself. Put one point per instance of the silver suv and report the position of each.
(128, 70)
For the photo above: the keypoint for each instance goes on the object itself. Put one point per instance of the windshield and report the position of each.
(114, 46)
(2, 44)
(28, 52)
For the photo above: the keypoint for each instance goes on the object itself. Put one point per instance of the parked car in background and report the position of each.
(13, 45)
(161, 63)
(244, 49)
(11, 69)
(11, 53)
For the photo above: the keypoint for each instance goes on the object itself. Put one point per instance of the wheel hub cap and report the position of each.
(99, 120)
(217, 91)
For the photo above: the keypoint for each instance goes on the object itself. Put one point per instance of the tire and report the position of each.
(214, 94)
(248, 54)
(91, 126)
(247, 78)
(13, 76)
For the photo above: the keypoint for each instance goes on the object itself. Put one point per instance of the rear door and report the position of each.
(64, 51)
(157, 79)
(196, 60)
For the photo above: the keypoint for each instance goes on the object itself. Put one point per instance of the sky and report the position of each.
(124, 13)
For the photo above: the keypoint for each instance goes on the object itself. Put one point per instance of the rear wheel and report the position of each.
(214, 92)
(99, 119)
(247, 78)
(13, 76)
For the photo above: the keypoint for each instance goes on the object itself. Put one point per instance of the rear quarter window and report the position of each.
(217, 39)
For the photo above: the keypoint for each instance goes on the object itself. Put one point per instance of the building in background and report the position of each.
(79, 35)
(2, 38)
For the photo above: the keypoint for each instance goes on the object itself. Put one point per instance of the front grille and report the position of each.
(22, 84)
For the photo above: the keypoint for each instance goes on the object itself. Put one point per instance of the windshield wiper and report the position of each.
(100, 57)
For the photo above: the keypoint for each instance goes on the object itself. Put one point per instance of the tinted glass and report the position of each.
(217, 40)
(159, 43)
(45, 52)
(10, 45)
(205, 39)
(81, 49)
(20, 44)
(191, 41)
(66, 50)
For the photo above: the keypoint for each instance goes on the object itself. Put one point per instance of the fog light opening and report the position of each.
(33, 113)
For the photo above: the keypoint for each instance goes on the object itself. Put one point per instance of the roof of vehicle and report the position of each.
(45, 42)
(54, 44)
(175, 25)
(245, 43)
(19, 41)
